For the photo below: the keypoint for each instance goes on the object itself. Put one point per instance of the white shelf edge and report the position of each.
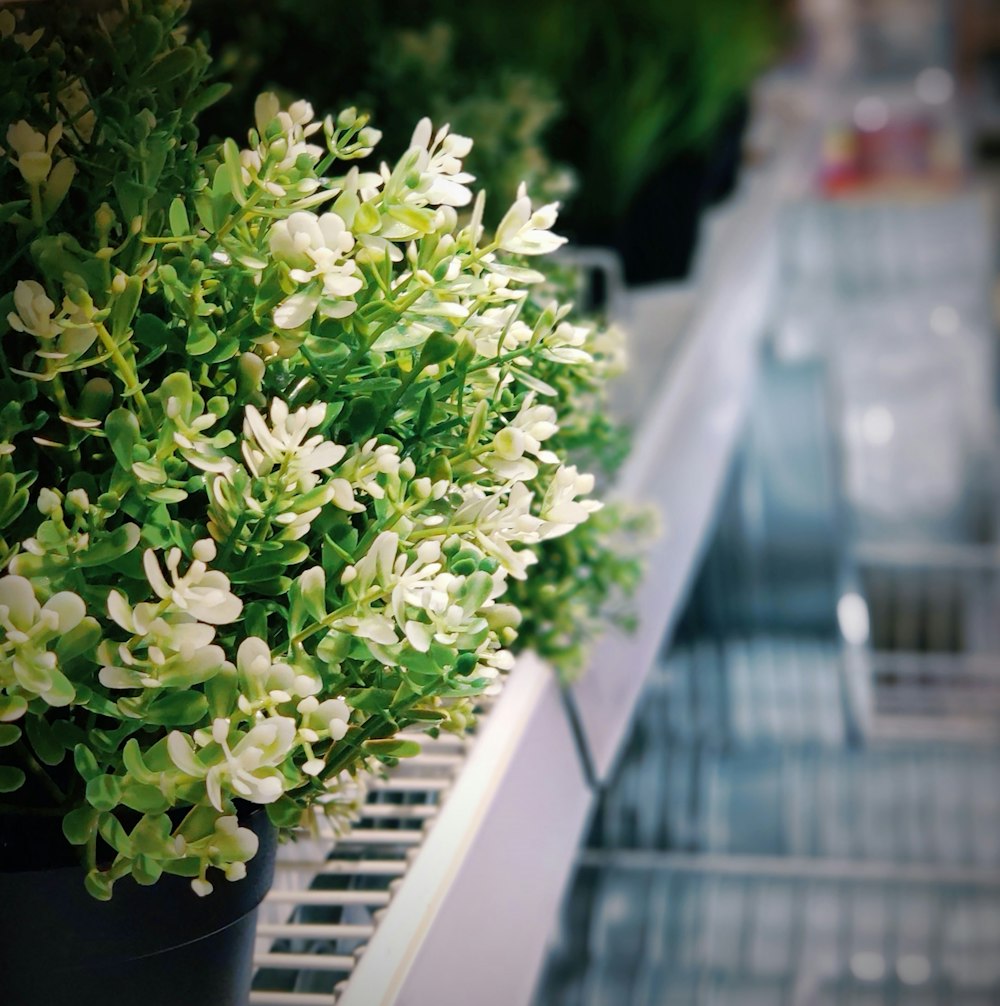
(681, 453)
(484, 842)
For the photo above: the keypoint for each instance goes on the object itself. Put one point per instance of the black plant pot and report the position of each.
(659, 232)
(154, 946)
(725, 156)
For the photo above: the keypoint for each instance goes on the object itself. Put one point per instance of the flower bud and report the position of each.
(49, 502)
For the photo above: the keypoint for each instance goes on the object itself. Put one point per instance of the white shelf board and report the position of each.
(490, 874)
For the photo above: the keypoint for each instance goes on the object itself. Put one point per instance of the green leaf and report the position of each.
(104, 792)
(147, 37)
(275, 587)
(182, 867)
(400, 337)
(9, 734)
(179, 224)
(150, 330)
(222, 691)
(10, 209)
(206, 212)
(206, 96)
(124, 307)
(392, 748)
(79, 824)
(83, 637)
(170, 66)
(11, 778)
(85, 762)
(255, 619)
(231, 157)
(98, 885)
(371, 700)
(115, 545)
(144, 798)
(178, 709)
(362, 417)
(146, 870)
(122, 429)
(426, 715)
(288, 553)
(114, 834)
(438, 348)
(333, 647)
(259, 571)
(134, 763)
(44, 742)
(131, 195)
(200, 339)
(167, 494)
(151, 834)
(12, 707)
(284, 813)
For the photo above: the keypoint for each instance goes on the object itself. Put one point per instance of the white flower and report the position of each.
(523, 436)
(286, 447)
(26, 630)
(202, 593)
(320, 720)
(34, 310)
(295, 125)
(362, 470)
(33, 149)
(295, 311)
(316, 247)
(498, 525)
(249, 768)
(564, 344)
(277, 680)
(560, 510)
(305, 238)
(449, 609)
(497, 330)
(73, 329)
(428, 175)
(442, 180)
(523, 232)
(177, 652)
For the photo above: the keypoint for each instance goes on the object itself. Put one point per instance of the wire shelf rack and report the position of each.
(667, 930)
(331, 890)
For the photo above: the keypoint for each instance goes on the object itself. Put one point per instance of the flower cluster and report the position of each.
(283, 430)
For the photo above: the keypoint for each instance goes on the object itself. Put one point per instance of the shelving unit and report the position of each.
(456, 885)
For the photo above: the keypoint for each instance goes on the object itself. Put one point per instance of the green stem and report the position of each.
(328, 620)
(90, 857)
(127, 374)
(390, 406)
(252, 200)
(353, 748)
(36, 205)
(39, 774)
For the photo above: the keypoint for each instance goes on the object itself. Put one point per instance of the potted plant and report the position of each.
(277, 431)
